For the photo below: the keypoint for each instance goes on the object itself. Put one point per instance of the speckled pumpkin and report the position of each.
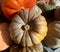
(35, 48)
(28, 28)
(53, 36)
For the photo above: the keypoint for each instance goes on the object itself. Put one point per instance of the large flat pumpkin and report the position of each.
(28, 28)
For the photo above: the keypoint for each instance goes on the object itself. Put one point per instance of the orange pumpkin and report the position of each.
(5, 40)
(11, 7)
(28, 28)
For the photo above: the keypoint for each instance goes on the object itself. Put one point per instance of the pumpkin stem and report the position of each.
(26, 27)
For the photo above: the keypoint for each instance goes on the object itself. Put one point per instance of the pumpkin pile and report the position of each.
(29, 25)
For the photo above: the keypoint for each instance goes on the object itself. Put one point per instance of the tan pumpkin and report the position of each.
(28, 28)
(35, 48)
(53, 36)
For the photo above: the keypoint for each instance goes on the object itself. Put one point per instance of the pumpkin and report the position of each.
(5, 40)
(10, 7)
(35, 48)
(47, 4)
(53, 35)
(57, 13)
(28, 27)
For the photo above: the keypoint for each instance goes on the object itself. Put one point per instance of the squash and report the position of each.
(35, 48)
(57, 13)
(28, 27)
(5, 40)
(47, 5)
(53, 35)
(10, 7)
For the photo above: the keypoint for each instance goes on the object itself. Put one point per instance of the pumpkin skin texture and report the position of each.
(28, 28)
(35, 48)
(5, 40)
(37, 9)
(10, 7)
(57, 13)
(53, 36)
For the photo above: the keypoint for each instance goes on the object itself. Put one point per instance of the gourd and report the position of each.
(28, 27)
(11, 7)
(5, 40)
(35, 48)
(53, 35)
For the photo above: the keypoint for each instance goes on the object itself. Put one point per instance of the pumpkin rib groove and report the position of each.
(30, 41)
(31, 38)
(9, 11)
(22, 16)
(20, 35)
(28, 50)
(17, 25)
(20, 19)
(23, 38)
(31, 49)
(29, 17)
(9, 7)
(34, 38)
(35, 17)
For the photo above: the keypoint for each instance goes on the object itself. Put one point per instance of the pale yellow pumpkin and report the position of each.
(28, 28)
(35, 48)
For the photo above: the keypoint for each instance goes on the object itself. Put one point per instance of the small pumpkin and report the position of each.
(57, 13)
(5, 40)
(35, 48)
(53, 36)
(11, 7)
(28, 28)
